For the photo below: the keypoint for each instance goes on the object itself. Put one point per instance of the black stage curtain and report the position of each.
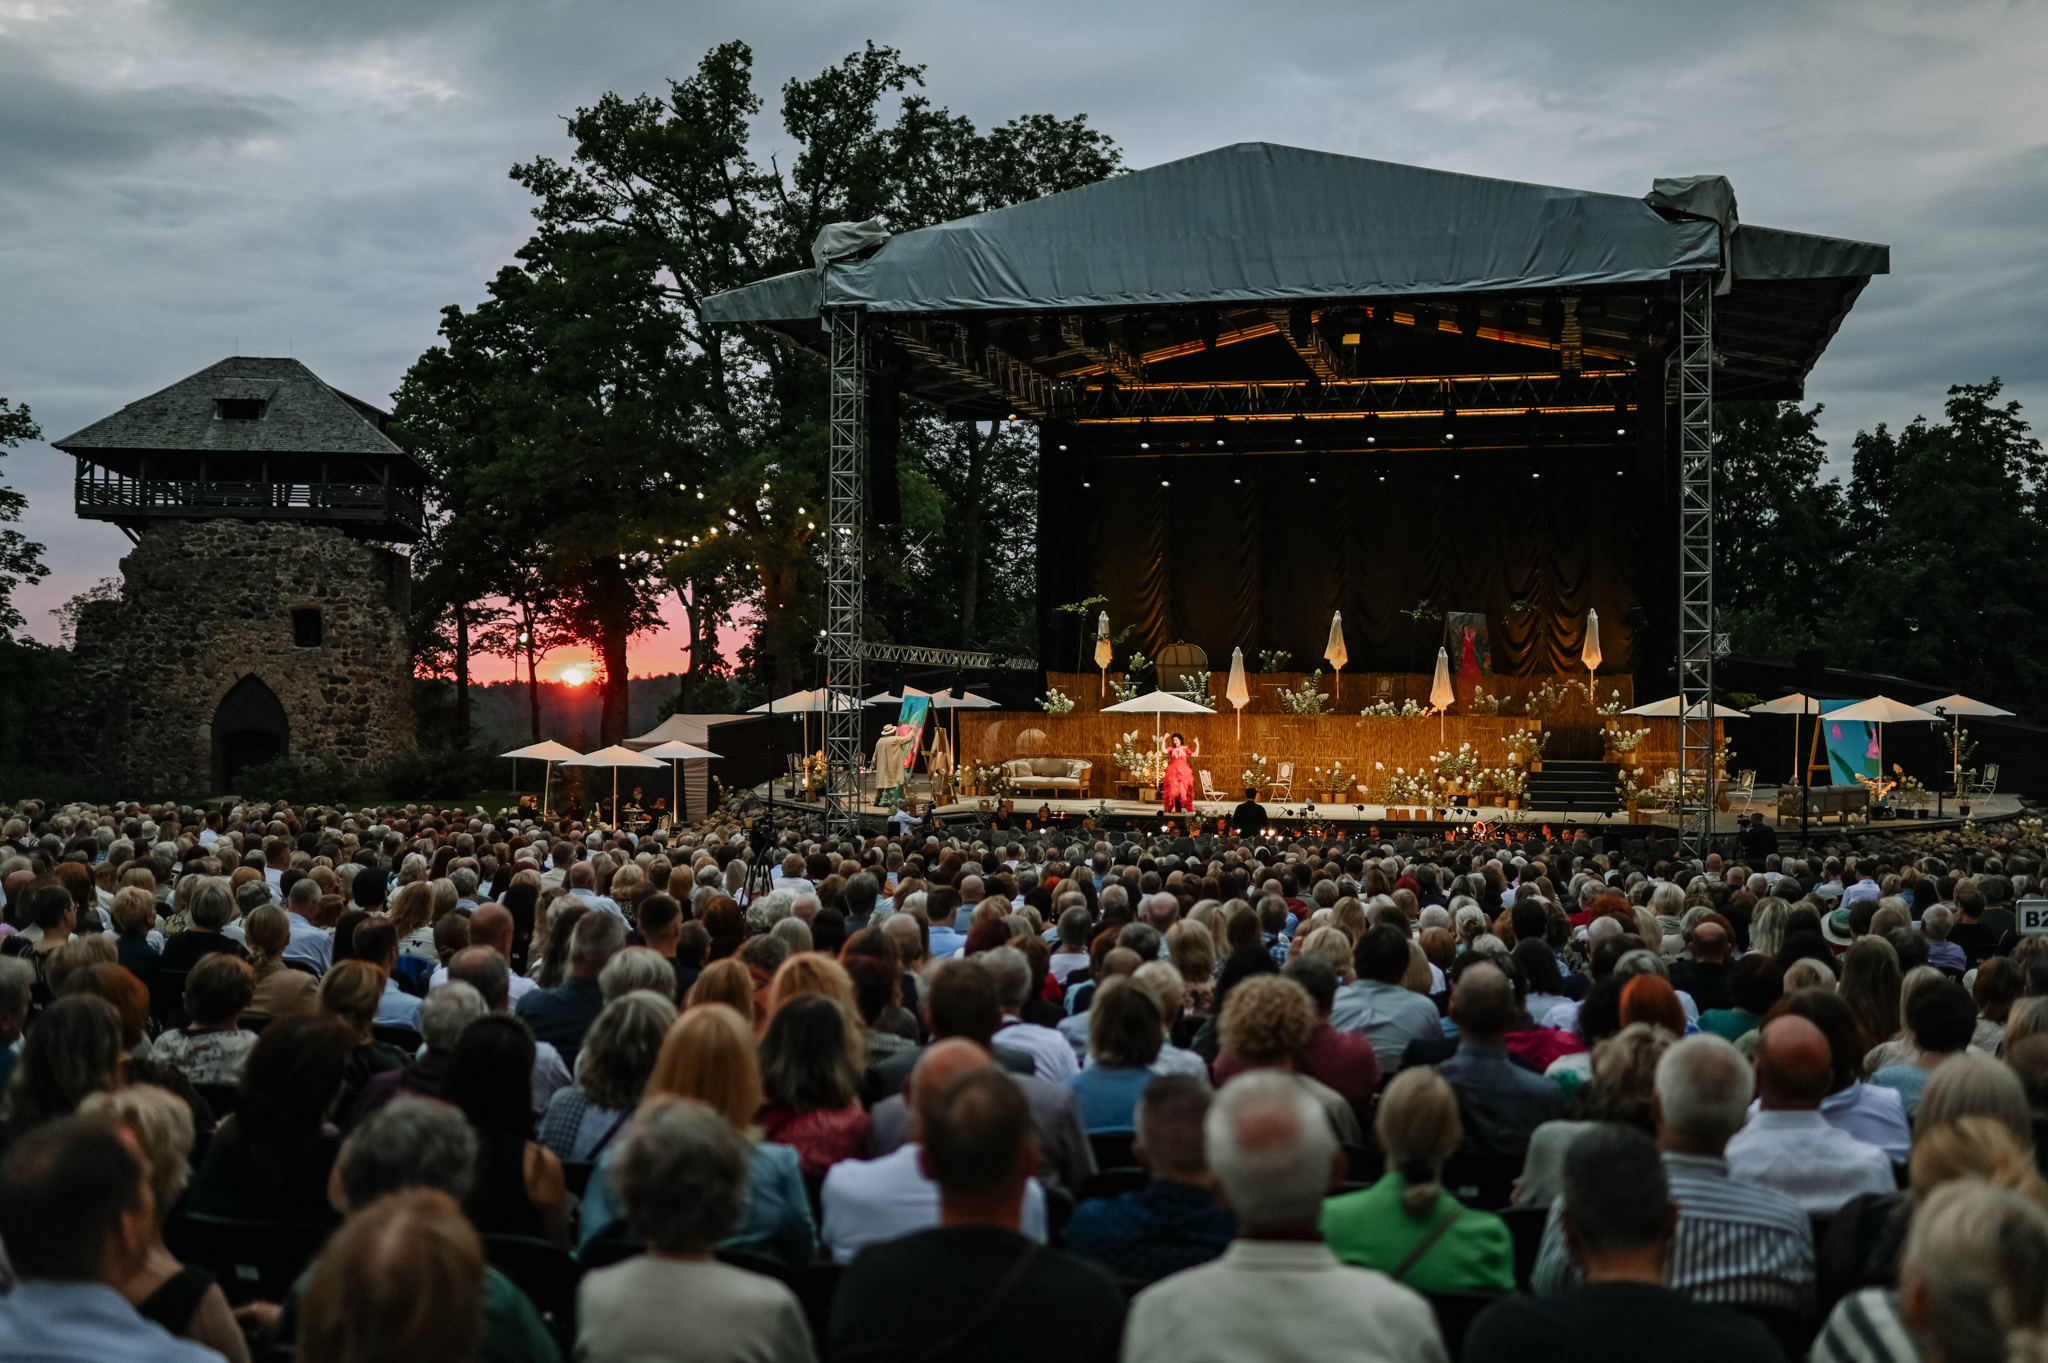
(1186, 552)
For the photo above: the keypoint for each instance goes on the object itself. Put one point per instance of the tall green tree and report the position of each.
(21, 559)
(1779, 527)
(681, 176)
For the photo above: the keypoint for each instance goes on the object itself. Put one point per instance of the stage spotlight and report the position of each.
(1144, 445)
(1450, 425)
(1087, 484)
(1371, 422)
(1166, 482)
(1219, 444)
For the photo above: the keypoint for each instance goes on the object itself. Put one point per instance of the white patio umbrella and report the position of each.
(804, 703)
(548, 751)
(966, 700)
(1954, 708)
(1441, 693)
(1155, 704)
(1103, 652)
(674, 752)
(614, 757)
(1797, 706)
(1880, 710)
(1334, 652)
(1590, 656)
(1667, 708)
(1235, 690)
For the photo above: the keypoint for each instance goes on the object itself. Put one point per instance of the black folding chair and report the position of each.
(405, 1038)
(1455, 1312)
(1526, 1225)
(254, 1260)
(1114, 1183)
(1113, 1149)
(610, 1246)
(754, 1263)
(219, 1097)
(815, 1287)
(1482, 1179)
(546, 1273)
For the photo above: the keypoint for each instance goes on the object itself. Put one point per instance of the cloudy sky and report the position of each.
(184, 179)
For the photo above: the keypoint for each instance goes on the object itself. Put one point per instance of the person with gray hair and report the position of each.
(795, 931)
(1935, 925)
(1278, 1291)
(611, 1075)
(1620, 1221)
(636, 968)
(415, 1142)
(213, 908)
(1737, 1243)
(681, 1175)
(1050, 1052)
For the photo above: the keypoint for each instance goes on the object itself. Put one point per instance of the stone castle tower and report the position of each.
(259, 614)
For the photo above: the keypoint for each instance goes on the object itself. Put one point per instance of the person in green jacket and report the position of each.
(1408, 1225)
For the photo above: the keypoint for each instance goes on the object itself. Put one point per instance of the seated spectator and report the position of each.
(1788, 1144)
(1935, 925)
(134, 915)
(1706, 975)
(211, 1047)
(1277, 1291)
(1754, 983)
(213, 908)
(402, 1278)
(1164, 983)
(632, 968)
(279, 990)
(2000, 983)
(353, 992)
(561, 1015)
(1871, 1114)
(17, 985)
(519, 1189)
(709, 1055)
(1265, 1023)
(1050, 1054)
(1737, 1243)
(376, 945)
(270, 1160)
(1618, 1220)
(619, 1051)
(73, 1052)
(1377, 1007)
(185, 1300)
(812, 1083)
(1942, 1018)
(1499, 1102)
(1173, 1222)
(79, 1223)
(867, 1202)
(418, 1143)
(1345, 1061)
(1622, 1089)
(1969, 1284)
(1124, 1037)
(486, 970)
(1408, 1225)
(729, 982)
(448, 1010)
(681, 1178)
(966, 1287)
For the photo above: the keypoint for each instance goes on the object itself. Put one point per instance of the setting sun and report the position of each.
(574, 676)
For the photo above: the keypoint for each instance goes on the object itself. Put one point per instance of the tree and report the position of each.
(21, 559)
(680, 176)
(1778, 527)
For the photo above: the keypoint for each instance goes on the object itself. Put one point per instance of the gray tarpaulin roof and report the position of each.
(1259, 223)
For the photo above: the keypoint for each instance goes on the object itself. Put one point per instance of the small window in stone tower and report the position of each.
(306, 627)
(239, 409)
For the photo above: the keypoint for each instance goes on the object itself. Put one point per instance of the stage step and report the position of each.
(1574, 787)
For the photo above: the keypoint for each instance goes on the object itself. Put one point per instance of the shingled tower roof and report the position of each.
(299, 414)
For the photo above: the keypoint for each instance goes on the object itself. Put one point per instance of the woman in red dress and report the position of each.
(1177, 788)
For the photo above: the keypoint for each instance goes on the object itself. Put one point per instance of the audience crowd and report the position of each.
(294, 1082)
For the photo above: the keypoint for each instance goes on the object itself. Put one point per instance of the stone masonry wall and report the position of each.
(206, 603)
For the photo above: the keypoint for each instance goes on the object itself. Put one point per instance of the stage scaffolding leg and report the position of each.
(844, 567)
(1696, 640)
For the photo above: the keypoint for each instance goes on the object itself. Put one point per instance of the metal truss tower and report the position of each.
(845, 566)
(1697, 640)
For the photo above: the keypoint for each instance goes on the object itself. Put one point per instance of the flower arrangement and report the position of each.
(1257, 775)
(1608, 708)
(1454, 773)
(1308, 699)
(1505, 781)
(1635, 794)
(1143, 763)
(1483, 704)
(1125, 690)
(1386, 709)
(1912, 795)
(1275, 660)
(1878, 787)
(1195, 686)
(1055, 702)
(1628, 740)
(1138, 665)
(1545, 699)
(2031, 835)
(814, 768)
(1525, 746)
(1402, 788)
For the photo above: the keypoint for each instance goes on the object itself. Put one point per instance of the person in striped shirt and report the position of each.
(1738, 1243)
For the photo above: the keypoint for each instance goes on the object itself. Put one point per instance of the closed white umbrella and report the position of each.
(1235, 691)
(616, 756)
(1103, 652)
(1590, 656)
(1155, 704)
(674, 752)
(1441, 693)
(1880, 710)
(1334, 652)
(547, 751)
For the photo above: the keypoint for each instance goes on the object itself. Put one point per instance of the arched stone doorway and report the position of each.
(249, 728)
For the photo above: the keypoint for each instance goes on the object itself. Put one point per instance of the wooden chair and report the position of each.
(1989, 785)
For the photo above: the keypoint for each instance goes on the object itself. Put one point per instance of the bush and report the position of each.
(298, 780)
(446, 773)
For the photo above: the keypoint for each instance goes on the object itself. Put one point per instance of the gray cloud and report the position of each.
(182, 178)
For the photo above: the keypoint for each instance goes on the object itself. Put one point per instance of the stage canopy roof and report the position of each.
(1139, 280)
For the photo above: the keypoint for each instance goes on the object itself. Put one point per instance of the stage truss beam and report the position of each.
(1309, 342)
(845, 565)
(914, 656)
(1697, 643)
(987, 368)
(1418, 395)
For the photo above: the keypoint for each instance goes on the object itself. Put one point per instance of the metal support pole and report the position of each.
(1697, 643)
(844, 567)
